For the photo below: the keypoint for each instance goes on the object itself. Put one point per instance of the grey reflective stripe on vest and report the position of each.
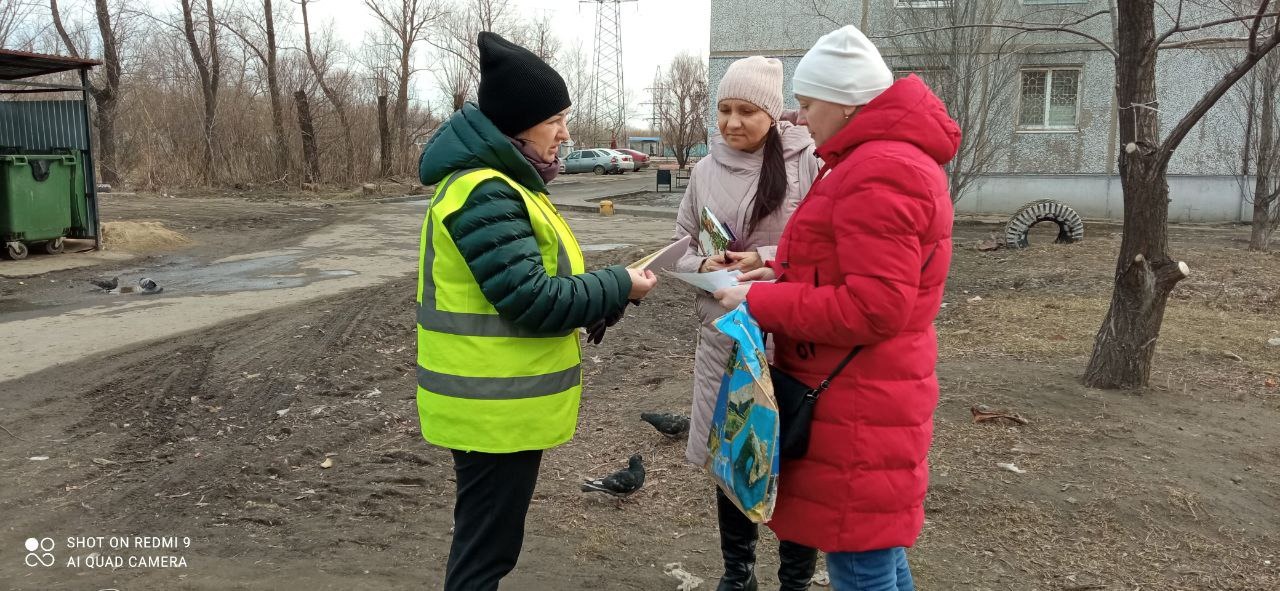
(499, 388)
(563, 266)
(470, 324)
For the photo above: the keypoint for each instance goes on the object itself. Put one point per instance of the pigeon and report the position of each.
(622, 483)
(671, 425)
(106, 285)
(148, 286)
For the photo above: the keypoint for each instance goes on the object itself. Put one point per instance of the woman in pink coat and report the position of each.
(862, 264)
(758, 171)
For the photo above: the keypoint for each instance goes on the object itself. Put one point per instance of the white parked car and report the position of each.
(627, 163)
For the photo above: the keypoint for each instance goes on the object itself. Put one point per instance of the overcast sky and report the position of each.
(653, 32)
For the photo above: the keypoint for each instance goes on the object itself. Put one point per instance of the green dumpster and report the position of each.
(82, 225)
(35, 201)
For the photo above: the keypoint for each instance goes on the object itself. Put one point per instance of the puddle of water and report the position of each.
(279, 271)
(604, 247)
(14, 306)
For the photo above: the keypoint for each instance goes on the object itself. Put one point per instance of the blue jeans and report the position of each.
(877, 570)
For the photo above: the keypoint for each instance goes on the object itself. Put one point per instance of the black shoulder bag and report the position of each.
(796, 400)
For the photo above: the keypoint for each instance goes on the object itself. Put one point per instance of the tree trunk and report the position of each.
(1125, 344)
(1145, 275)
(210, 111)
(332, 96)
(401, 122)
(1263, 200)
(107, 98)
(277, 102)
(311, 155)
(384, 138)
(108, 165)
(1260, 231)
(104, 96)
(209, 72)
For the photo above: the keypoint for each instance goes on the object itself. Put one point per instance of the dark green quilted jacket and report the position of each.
(493, 233)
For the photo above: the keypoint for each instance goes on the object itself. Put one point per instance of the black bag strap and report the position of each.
(814, 392)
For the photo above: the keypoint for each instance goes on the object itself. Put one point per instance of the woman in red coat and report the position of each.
(861, 262)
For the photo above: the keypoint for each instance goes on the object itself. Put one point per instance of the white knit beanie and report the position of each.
(757, 80)
(844, 67)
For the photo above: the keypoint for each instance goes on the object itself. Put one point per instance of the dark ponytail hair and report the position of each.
(771, 189)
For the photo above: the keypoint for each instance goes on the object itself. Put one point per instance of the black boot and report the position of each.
(738, 536)
(797, 565)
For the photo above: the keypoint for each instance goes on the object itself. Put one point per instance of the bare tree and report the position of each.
(105, 92)
(682, 108)
(968, 68)
(311, 155)
(1145, 273)
(384, 136)
(1265, 144)
(170, 141)
(339, 105)
(455, 77)
(1256, 104)
(266, 49)
(539, 38)
(454, 38)
(575, 66)
(408, 22)
(273, 87)
(209, 69)
(492, 15)
(14, 18)
(1252, 149)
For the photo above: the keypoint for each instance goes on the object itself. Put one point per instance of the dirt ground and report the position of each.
(220, 436)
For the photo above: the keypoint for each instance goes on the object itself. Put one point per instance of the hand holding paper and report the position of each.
(665, 258)
(745, 261)
(715, 263)
(708, 282)
(641, 283)
(761, 274)
(732, 297)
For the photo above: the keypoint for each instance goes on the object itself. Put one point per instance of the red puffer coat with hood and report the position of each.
(863, 261)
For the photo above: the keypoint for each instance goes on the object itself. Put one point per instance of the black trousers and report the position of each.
(494, 491)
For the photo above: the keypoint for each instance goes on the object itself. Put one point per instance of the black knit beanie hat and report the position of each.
(517, 89)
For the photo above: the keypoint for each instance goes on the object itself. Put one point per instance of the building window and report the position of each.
(922, 4)
(1050, 99)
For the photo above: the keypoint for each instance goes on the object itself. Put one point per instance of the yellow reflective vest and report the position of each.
(485, 384)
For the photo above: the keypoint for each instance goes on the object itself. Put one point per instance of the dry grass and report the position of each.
(140, 236)
(1046, 303)
(1171, 488)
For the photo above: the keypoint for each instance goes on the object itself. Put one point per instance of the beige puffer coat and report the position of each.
(726, 182)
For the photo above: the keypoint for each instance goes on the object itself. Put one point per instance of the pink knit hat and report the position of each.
(757, 80)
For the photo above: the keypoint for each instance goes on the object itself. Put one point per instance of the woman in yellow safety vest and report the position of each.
(502, 292)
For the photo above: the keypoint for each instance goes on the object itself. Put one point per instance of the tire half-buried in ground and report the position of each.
(1070, 226)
